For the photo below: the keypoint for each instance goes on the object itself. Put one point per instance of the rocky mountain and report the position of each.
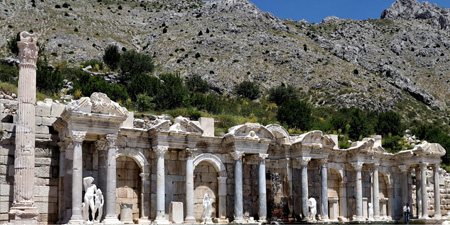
(379, 64)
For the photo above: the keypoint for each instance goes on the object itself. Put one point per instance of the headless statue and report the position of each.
(207, 207)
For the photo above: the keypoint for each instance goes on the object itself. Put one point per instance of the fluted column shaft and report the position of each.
(324, 189)
(222, 189)
(238, 198)
(418, 193)
(145, 196)
(423, 171)
(77, 176)
(262, 188)
(111, 170)
(437, 194)
(359, 204)
(24, 209)
(376, 193)
(160, 184)
(189, 186)
(304, 169)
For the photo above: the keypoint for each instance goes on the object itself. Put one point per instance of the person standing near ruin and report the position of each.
(406, 211)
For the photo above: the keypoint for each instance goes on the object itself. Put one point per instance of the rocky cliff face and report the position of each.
(374, 64)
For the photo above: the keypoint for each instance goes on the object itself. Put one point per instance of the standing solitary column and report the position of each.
(160, 185)
(238, 198)
(376, 193)
(304, 163)
(359, 204)
(24, 210)
(324, 189)
(77, 176)
(111, 216)
(189, 186)
(423, 171)
(418, 193)
(437, 194)
(262, 188)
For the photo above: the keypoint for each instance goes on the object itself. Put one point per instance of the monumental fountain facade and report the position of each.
(158, 170)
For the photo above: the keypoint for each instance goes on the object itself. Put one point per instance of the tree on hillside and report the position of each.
(112, 57)
(132, 63)
(143, 84)
(195, 83)
(295, 113)
(358, 125)
(281, 94)
(389, 123)
(171, 92)
(247, 89)
(12, 45)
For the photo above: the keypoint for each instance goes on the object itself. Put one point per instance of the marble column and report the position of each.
(62, 169)
(324, 189)
(101, 147)
(358, 192)
(404, 175)
(437, 193)
(423, 172)
(376, 193)
(111, 186)
(304, 168)
(418, 193)
(145, 199)
(77, 176)
(160, 185)
(262, 188)
(290, 194)
(222, 189)
(343, 199)
(68, 180)
(189, 186)
(23, 209)
(238, 198)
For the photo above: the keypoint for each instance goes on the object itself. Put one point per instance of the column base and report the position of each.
(207, 221)
(190, 220)
(24, 215)
(239, 220)
(144, 221)
(111, 220)
(76, 221)
(161, 221)
(221, 220)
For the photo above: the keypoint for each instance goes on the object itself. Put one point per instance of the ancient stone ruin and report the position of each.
(91, 161)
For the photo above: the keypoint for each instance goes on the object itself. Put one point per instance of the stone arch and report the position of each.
(137, 156)
(214, 160)
(280, 133)
(339, 168)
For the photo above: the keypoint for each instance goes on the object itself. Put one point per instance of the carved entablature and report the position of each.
(314, 140)
(429, 149)
(251, 131)
(280, 134)
(184, 125)
(97, 103)
(28, 50)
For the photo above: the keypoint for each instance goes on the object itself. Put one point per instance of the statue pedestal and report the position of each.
(126, 213)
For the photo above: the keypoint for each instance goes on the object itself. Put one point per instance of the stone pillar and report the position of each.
(290, 194)
(423, 172)
(418, 193)
(189, 186)
(23, 210)
(343, 199)
(68, 181)
(111, 170)
(101, 147)
(437, 194)
(62, 169)
(160, 185)
(324, 189)
(222, 199)
(145, 198)
(262, 188)
(304, 165)
(358, 192)
(376, 193)
(238, 198)
(77, 177)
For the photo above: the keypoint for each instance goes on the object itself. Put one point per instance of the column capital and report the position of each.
(65, 145)
(101, 144)
(237, 155)
(323, 162)
(436, 166)
(78, 136)
(190, 152)
(28, 50)
(161, 150)
(222, 179)
(403, 168)
(423, 166)
(144, 176)
(262, 157)
(111, 140)
(304, 160)
(357, 165)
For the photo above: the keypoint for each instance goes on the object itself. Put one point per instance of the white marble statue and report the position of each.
(207, 208)
(312, 208)
(99, 202)
(93, 199)
(370, 211)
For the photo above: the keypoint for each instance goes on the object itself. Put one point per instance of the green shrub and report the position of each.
(295, 114)
(132, 63)
(171, 92)
(8, 73)
(144, 103)
(281, 94)
(48, 79)
(358, 124)
(112, 57)
(247, 89)
(392, 144)
(389, 123)
(95, 64)
(88, 84)
(143, 84)
(195, 83)
(12, 44)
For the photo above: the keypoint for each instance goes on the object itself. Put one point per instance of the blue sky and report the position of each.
(315, 10)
